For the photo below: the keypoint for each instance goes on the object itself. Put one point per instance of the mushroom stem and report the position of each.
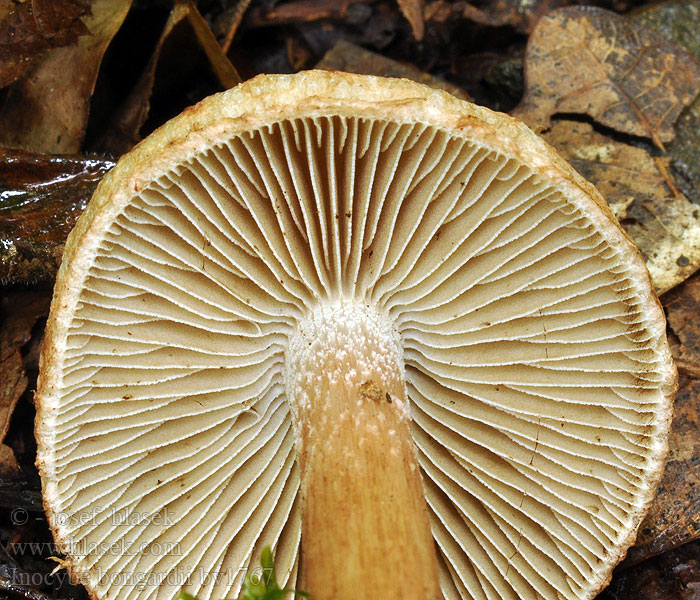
(365, 526)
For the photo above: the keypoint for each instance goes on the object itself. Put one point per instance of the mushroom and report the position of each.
(390, 333)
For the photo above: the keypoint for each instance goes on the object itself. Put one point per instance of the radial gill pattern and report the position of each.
(529, 363)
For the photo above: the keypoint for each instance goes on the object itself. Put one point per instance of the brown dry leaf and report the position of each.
(663, 223)
(14, 382)
(592, 61)
(348, 57)
(28, 29)
(413, 11)
(521, 14)
(21, 311)
(41, 198)
(9, 469)
(47, 111)
(122, 131)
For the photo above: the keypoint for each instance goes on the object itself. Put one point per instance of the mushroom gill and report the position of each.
(360, 309)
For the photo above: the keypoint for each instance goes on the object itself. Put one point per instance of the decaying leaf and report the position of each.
(679, 21)
(41, 197)
(676, 20)
(28, 29)
(521, 14)
(661, 221)
(591, 61)
(47, 110)
(413, 11)
(350, 58)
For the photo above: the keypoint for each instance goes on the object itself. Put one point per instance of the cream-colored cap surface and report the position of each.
(530, 344)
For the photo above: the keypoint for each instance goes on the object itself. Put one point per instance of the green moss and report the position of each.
(259, 586)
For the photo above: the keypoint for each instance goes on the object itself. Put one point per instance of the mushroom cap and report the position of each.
(538, 375)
